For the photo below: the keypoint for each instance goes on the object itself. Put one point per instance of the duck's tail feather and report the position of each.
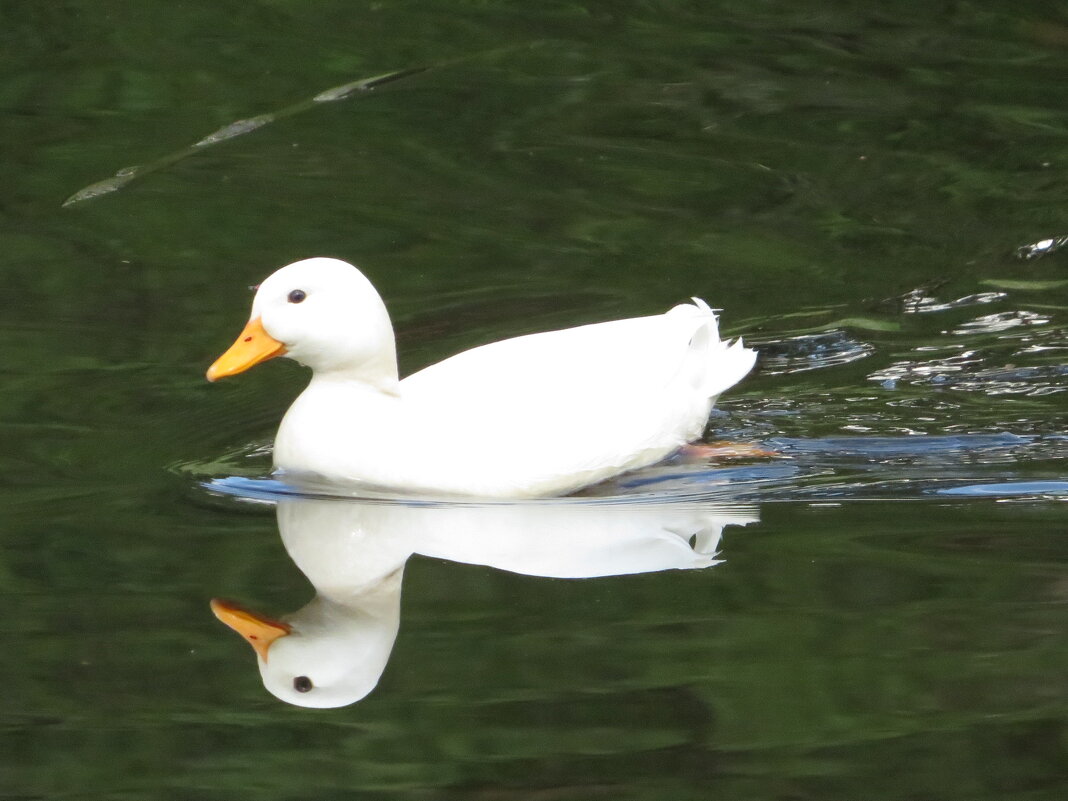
(712, 364)
(727, 365)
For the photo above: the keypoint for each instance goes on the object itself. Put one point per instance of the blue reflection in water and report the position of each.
(1009, 489)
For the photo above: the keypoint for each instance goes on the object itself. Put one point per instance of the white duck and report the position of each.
(542, 414)
(333, 651)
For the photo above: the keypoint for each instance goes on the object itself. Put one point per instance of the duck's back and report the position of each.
(551, 412)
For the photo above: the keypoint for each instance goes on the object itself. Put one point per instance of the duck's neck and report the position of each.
(378, 372)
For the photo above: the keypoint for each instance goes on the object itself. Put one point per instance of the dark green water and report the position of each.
(875, 198)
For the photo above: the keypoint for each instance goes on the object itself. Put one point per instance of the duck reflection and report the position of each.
(332, 651)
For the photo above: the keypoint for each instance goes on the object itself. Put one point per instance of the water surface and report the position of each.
(873, 196)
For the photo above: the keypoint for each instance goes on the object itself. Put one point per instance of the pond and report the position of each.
(875, 200)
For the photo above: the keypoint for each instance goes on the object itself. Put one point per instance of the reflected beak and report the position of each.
(253, 345)
(259, 630)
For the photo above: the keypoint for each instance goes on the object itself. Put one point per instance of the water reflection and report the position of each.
(1043, 247)
(332, 651)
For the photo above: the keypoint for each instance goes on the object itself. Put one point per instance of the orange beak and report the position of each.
(253, 345)
(259, 630)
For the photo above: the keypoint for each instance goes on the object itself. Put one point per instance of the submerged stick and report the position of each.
(233, 130)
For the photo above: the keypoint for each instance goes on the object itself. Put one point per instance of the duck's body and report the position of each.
(543, 414)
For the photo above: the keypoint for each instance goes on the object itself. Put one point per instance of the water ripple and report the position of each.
(990, 365)
(808, 469)
(811, 352)
(1041, 248)
(1002, 321)
(917, 301)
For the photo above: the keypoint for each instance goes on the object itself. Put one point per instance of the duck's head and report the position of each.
(324, 314)
(325, 655)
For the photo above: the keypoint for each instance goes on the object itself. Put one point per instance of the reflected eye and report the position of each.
(297, 295)
(302, 684)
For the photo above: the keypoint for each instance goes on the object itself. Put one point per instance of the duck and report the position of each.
(333, 651)
(537, 415)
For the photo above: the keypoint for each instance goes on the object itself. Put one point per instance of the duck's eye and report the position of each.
(302, 684)
(297, 295)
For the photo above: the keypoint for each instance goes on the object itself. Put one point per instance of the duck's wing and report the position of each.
(680, 349)
(599, 397)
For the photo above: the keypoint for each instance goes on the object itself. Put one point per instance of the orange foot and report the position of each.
(724, 452)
